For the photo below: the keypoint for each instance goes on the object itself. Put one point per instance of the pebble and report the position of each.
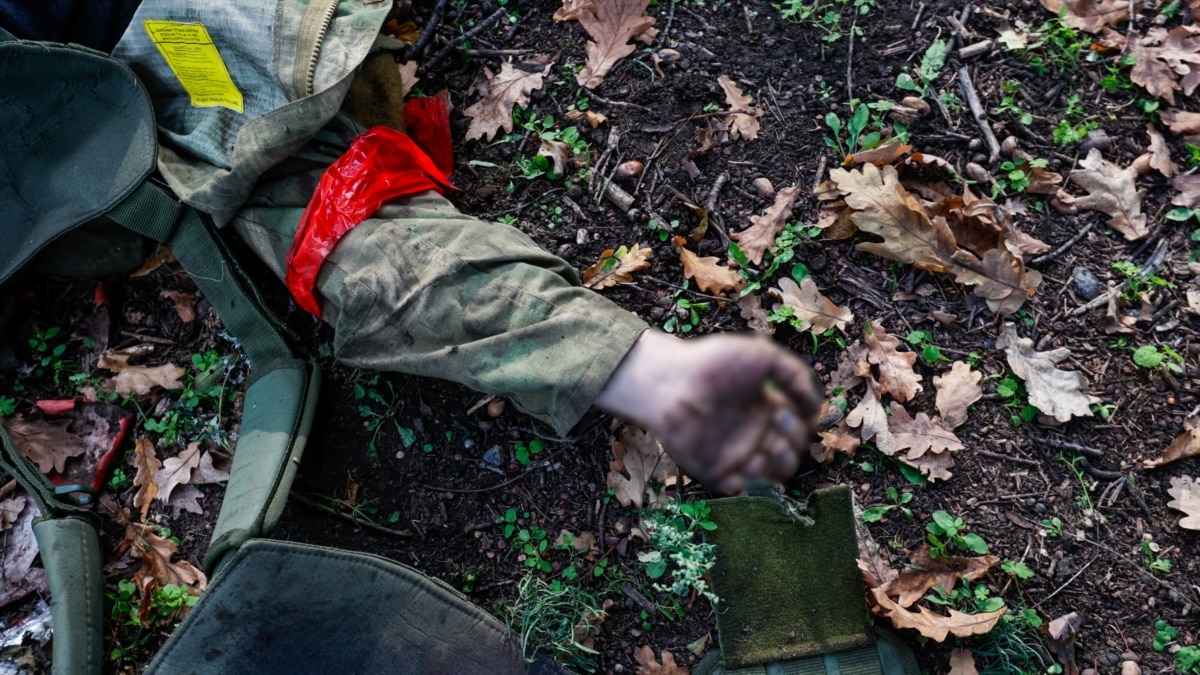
(1039, 507)
(494, 456)
(1130, 668)
(1088, 671)
(1097, 139)
(1086, 283)
(1109, 660)
(764, 187)
(1130, 656)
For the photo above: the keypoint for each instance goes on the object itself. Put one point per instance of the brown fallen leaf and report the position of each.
(1186, 444)
(1166, 61)
(1114, 321)
(616, 267)
(155, 553)
(408, 77)
(593, 118)
(884, 154)
(709, 276)
(147, 465)
(710, 136)
(818, 312)
(743, 116)
(558, 153)
(752, 311)
(1181, 122)
(162, 255)
(852, 365)
(924, 573)
(581, 542)
(933, 466)
(408, 31)
(838, 439)
(956, 391)
(962, 662)
(896, 374)
(501, 93)
(184, 304)
(760, 236)
(648, 665)
(1062, 632)
(1111, 190)
(1160, 154)
(875, 563)
(137, 380)
(45, 442)
(18, 554)
(1090, 16)
(1057, 393)
(611, 25)
(177, 470)
(882, 206)
(871, 419)
(10, 511)
(1189, 191)
(1186, 493)
(639, 459)
(920, 435)
(936, 626)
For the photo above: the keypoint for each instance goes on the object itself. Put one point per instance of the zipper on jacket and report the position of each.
(313, 26)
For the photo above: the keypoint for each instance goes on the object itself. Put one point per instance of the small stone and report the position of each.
(1130, 668)
(974, 144)
(1039, 507)
(496, 407)
(494, 456)
(1130, 656)
(1109, 660)
(1097, 139)
(979, 158)
(575, 192)
(629, 169)
(1086, 283)
(764, 187)
(668, 56)
(1008, 146)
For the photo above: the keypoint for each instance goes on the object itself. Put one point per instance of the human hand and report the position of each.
(727, 408)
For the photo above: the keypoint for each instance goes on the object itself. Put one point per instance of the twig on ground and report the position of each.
(363, 522)
(917, 18)
(479, 28)
(714, 218)
(1042, 259)
(1098, 473)
(670, 20)
(850, 60)
(616, 104)
(820, 175)
(1068, 582)
(1008, 458)
(418, 47)
(703, 22)
(1066, 445)
(496, 52)
(977, 112)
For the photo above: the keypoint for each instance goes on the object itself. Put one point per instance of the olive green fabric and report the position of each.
(787, 578)
(421, 288)
(70, 550)
(78, 124)
(281, 607)
(888, 656)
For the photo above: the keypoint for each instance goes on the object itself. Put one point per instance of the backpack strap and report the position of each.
(282, 393)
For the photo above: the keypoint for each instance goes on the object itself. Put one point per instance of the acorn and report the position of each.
(630, 169)
(1008, 146)
(763, 186)
(916, 103)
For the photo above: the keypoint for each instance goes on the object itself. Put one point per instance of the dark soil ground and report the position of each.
(438, 501)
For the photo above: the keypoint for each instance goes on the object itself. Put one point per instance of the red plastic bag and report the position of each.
(382, 164)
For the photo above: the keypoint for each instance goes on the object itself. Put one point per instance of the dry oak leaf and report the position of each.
(638, 459)
(1189, 191)
(1186, 444)
(1186, 492)
(883, 207)
(611, 25)
(838, 439)
(617, 267)
(18, 553)
(956, 391)
(708, 275)
(884, 154)
(896, 375)
(1160, 153)
(924, 573)
(872, 421)
(1090, 16)
(1181, 122)
(137, 380)
(147, 464)
(920, 435)
(962, 662)
(177, 470)
(752, 311)
(760, 236)
(46, 443)
(743, 117)
(501, 92)
(936, 626)
(818, 312)
(184, 304)
(156, 553)
(408, 77)
(593, 118)
(874, 563)
(1163, 57)
(648, 665)
(10, 511)
(1111, 190)
(1057, 393)
(852, 365)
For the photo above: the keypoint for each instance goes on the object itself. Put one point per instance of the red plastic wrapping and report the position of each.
(382, 164)
(428, 123)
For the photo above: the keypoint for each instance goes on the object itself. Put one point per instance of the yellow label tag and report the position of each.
(192, 56)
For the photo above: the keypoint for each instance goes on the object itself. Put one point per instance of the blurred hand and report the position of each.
(727, 408)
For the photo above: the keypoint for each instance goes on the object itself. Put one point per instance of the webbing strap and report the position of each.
(26, 473)
(153, 212)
